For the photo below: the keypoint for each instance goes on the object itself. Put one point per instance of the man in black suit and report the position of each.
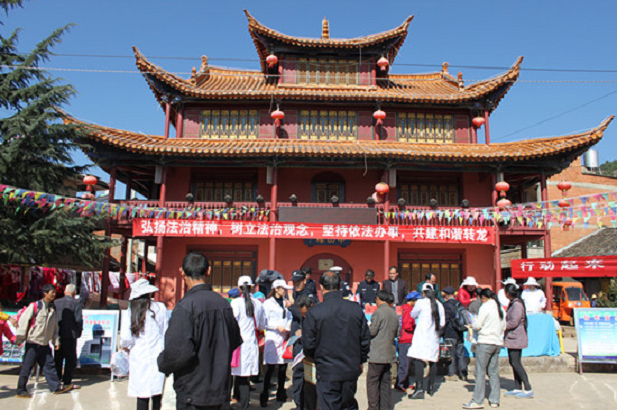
(338, 365)
(396, 286)
(70, 323)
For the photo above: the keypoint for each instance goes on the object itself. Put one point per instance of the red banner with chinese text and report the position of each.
(590, 266)
(294, 230)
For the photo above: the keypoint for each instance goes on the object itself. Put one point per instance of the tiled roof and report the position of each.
(292, 148)
(436, 88)
(602, 242)
(394, 37)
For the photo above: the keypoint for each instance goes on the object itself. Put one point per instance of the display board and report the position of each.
(99, 338)
(596, 331)
(12, 353)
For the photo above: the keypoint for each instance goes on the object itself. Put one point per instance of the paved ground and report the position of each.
(553, 391)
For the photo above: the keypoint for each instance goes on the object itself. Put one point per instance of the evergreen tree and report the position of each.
(35, 154)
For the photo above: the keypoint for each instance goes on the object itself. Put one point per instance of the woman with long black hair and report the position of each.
(251, 318)
(430, 319)
(278, 326)
(515, 340)
(143, 334)
(490, 325)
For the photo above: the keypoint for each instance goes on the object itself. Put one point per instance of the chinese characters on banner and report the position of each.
(233, 229)
(591, 266)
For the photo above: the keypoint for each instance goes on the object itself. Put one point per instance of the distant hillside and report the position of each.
(609, 168)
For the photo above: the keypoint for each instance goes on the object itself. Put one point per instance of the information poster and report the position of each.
(12, 353)
(596, 329)
(99, 338)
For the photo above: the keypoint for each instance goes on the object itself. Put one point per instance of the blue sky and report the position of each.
(560, 35)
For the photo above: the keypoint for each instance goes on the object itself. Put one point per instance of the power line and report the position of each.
(472, 67)
(561, 114)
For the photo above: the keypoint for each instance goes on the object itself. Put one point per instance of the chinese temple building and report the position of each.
(276, 168)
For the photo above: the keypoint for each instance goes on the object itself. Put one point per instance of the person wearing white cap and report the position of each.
(467, 292)
(533, 296)
(250, 315)
(278, 326)
(501, 295)
(142, 332)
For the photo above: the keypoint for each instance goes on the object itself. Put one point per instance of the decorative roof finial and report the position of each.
(444, 67)
(204, 64)
(325, 29)
(461, 85)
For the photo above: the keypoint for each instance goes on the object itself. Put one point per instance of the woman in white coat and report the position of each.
(250, 315)
(143, 334)
(278, 325)
(430, 319)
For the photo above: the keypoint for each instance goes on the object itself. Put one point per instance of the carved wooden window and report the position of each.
(328, 125)
(228, 265)
(326, 185)
(428, 128)
(446, 267)
(327, 71)
(229, 124)
(418, 194)
(215, 191)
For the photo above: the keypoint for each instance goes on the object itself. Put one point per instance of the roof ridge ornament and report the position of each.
(204, 72)
(325, 29)
(461, 84)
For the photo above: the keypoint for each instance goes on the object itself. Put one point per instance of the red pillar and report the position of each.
(144, 261)
(107, 257)
(487, 132)
(547, 247)
(474, 134)
(159, 239)
(167, 118)
(386, 259)
(273, 217)
(180, 123)
(494, 194)
(497, 238)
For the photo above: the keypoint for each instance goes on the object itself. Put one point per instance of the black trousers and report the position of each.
(187, 406)
(144, 403)
(337, 395)
(41, 355)
(419, 365)
(402, 378)
(67, 354)
(242, 391)
(520, 375)
(378, 389)
(282, 370)
(298, 386)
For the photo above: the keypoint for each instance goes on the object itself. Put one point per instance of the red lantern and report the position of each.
(379, 115)
(478, 122)
(272, 60)
(503, 203)
(563, 203)
(90, 181)
(382, 188)
(383, 63)
(278, 115)
(564, 186)
(502, 187)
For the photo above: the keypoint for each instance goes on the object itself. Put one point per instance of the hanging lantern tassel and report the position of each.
(278, 115)
(383, 63)
(502, 187)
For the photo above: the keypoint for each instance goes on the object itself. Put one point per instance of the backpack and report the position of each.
(38, 305)
(460, 321)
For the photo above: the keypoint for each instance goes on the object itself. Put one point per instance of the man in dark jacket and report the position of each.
(338, 364)
(396, 286)
(199, 341)
(301, 288)
(301, 307)
(310, 283)
(70, 323)
(458, 365)
(431, 279)
(368, 288)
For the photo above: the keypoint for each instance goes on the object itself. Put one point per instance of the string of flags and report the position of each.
(596, 209)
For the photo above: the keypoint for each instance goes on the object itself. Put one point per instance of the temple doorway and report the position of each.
(322, 262)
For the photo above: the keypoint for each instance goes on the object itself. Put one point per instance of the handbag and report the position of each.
(235, 357)
(288, 351)
(261, 341)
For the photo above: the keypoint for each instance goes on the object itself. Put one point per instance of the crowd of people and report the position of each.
(217, 349)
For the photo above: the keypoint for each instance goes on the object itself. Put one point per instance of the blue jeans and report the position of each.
(487, 360)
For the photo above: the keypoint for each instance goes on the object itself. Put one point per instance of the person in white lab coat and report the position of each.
(430, 319)
(143, 334)
(278, 326)
(504, 301)
(250, 315)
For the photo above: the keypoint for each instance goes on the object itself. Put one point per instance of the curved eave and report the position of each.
(533, 149)
(258, 31)
(436, 88)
